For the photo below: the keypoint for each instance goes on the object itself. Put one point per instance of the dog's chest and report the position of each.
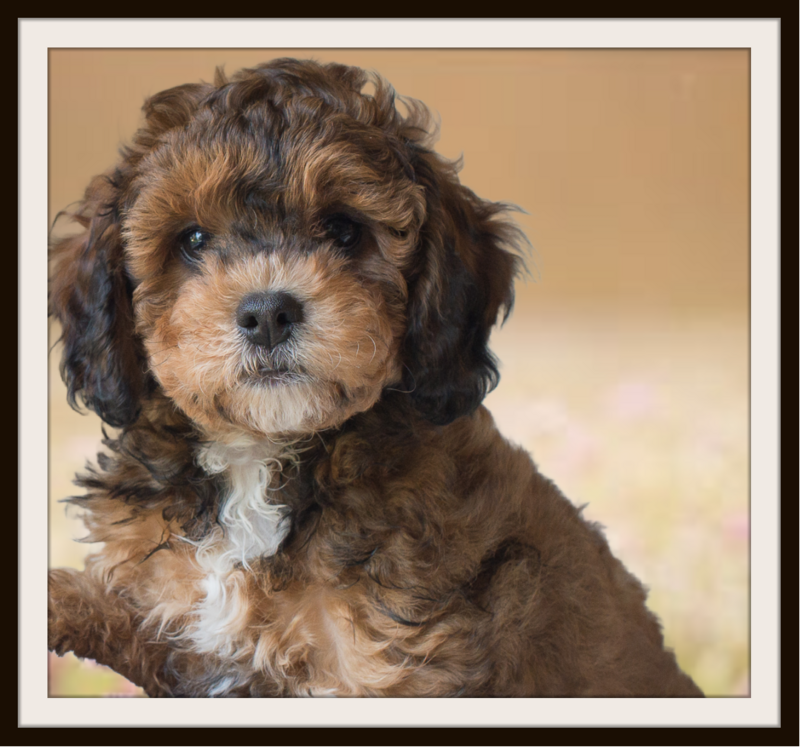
(305, 640)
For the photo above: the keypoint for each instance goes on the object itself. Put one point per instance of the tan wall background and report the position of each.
(625, 361)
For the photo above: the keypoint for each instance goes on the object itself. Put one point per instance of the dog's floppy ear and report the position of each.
(466, 262)
(90, 294)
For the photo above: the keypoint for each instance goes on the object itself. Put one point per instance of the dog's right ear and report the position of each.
(90, 293)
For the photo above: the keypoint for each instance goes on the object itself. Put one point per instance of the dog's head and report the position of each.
(275, 250)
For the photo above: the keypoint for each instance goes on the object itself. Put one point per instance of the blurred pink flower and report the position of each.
(129, 689)
(55, 668)
(743, 687)
(633, 400)
(736, 526)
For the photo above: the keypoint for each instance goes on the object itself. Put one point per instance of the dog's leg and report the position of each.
(95, 623)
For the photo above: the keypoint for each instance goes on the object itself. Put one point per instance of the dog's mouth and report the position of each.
(268, 376)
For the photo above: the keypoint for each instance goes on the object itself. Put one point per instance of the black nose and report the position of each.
(267, 319)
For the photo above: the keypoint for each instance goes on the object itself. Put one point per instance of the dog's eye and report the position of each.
(192, 242)
(343, 231)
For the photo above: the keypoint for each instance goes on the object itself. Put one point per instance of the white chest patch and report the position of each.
(252, 524)
(251, 527)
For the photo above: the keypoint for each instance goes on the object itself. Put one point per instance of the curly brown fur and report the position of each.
(282, 298)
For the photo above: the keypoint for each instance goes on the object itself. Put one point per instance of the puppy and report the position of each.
(281, 297)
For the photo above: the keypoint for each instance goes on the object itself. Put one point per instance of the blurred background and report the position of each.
(625, 361)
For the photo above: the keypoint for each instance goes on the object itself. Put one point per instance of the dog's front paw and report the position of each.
(65, 608)
(91, 621)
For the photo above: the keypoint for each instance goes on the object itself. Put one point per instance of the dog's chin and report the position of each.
(277, 404)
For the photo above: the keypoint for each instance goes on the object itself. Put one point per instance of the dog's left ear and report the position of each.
(90, 294)
(465, 265)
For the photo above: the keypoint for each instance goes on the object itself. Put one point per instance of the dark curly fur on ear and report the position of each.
(466, 271)
(90, 294)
